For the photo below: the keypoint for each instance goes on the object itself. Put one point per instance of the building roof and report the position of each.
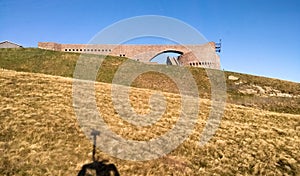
(6, 41)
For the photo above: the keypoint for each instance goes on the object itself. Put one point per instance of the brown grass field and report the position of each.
(40, 135)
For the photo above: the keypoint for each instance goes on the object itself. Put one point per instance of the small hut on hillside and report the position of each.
(8, 44)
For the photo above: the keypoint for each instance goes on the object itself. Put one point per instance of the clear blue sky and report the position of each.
(259, 37)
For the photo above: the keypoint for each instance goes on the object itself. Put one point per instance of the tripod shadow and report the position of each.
(101, 168)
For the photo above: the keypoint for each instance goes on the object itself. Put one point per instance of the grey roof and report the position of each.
(6, 41)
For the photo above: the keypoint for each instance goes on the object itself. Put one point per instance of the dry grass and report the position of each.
(39, 134)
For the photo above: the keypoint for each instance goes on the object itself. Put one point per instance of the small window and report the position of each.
(99, 50)
(88, 49)
(120, 55)
(92, 50)
(69, 49)
(109, 50)
(84, 49)
(123, 55)
(102, 50)
(105, 50)
(76, 49)
(66, 49)
(73, 49)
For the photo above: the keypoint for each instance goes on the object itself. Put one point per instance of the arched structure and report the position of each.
(168, 51)
(168, 58)
(207, 56)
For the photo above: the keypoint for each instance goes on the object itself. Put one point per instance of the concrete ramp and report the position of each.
(172, 61)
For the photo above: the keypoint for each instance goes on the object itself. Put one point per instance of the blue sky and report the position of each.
(259, 37)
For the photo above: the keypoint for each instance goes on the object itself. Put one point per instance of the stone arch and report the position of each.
(166, 51)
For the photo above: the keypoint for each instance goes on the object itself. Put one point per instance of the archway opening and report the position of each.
(168, 57)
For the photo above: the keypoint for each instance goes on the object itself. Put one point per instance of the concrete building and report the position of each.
(8, 44)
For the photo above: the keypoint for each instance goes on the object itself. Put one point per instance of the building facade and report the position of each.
(203, 55)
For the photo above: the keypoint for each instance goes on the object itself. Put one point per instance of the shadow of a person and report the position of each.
(101, 168)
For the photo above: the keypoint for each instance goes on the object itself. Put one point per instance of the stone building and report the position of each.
(202, 55)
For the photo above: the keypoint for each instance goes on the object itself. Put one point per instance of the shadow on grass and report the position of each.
(101, 168)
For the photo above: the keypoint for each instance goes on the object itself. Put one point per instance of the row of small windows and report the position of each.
(200, 63)
(91, 50)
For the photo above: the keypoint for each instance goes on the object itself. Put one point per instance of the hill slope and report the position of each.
(39, 134)
(247, 90)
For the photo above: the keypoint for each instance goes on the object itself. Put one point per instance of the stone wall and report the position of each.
(49, 46)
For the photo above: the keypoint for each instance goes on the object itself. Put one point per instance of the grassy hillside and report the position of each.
(39, 134)
(248, 90)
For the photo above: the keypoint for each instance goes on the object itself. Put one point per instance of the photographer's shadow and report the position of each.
(101, 168)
